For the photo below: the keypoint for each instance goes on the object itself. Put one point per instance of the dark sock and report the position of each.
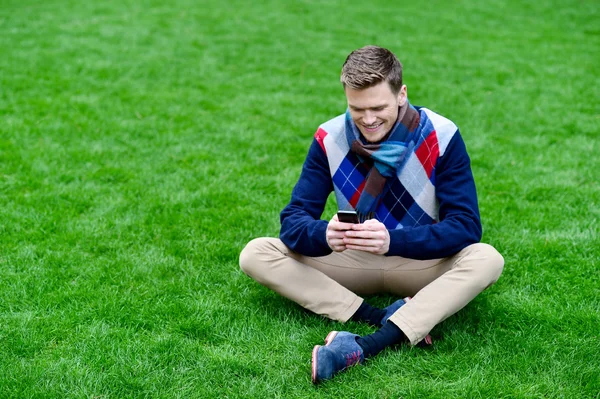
(369, 314)
(387, 335)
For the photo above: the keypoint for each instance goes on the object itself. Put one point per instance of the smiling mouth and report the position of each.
(373, 127)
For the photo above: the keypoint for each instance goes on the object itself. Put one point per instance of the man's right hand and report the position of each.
(336, 231)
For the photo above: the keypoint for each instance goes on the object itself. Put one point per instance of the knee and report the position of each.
(249, 254)
(252, 257)
(488, 262)
(494, 262)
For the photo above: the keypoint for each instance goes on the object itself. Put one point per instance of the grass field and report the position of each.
(143, 143)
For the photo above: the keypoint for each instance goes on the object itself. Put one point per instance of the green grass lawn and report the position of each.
(142, 144)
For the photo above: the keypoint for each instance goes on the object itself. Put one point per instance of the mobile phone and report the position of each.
(347, 216)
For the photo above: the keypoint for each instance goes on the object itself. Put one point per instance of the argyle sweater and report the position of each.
(430, 208)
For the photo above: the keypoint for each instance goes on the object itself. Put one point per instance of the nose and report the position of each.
(369, 118)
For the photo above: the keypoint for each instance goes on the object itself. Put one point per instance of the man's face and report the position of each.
(375, 109)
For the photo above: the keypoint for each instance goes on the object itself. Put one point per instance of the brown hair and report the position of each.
(371, 65)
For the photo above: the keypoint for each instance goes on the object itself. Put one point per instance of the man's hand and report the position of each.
(336, 231)
(370, 236)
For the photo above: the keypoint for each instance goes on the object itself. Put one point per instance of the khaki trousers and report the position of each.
(331, 285)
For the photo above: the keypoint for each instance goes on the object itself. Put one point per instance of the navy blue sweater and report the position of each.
(459, 226)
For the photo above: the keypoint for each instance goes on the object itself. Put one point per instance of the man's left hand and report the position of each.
(370, 236)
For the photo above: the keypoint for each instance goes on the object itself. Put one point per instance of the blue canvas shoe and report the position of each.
(340, 352)
(390, 310)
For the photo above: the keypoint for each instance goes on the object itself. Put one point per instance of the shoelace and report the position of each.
(352, 358)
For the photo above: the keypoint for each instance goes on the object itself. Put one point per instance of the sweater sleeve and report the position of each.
(459, 224)
(301, 228)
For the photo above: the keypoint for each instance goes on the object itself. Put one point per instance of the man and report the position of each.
(406, 172)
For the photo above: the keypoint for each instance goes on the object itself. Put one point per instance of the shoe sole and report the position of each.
(330, 337)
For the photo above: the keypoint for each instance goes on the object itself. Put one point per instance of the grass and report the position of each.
(142, 144)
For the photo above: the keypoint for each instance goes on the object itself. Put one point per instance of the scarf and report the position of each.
(394, 180)
(386, 158)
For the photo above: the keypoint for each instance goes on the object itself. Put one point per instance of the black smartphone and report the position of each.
(347, 216)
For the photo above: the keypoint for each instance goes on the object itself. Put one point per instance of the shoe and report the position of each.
(340, 352)
(390, 310)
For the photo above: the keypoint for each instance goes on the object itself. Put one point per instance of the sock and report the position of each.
(369, 314)
(387, 335)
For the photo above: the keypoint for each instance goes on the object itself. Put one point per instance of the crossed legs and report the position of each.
(331, 285)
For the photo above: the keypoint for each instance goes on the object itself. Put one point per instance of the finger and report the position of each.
(366, 234)
(368, 226)
(362, 248)
(340, 226)
(363, 243)
(338, 248)
(336, 234)
(337, 241)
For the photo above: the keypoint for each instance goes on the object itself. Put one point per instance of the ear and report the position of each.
(402, 96)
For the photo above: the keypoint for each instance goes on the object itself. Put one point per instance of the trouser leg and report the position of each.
(330, 285)
(327, 285)
(455, 281)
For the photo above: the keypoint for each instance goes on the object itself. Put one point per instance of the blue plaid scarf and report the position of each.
(387, 157)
